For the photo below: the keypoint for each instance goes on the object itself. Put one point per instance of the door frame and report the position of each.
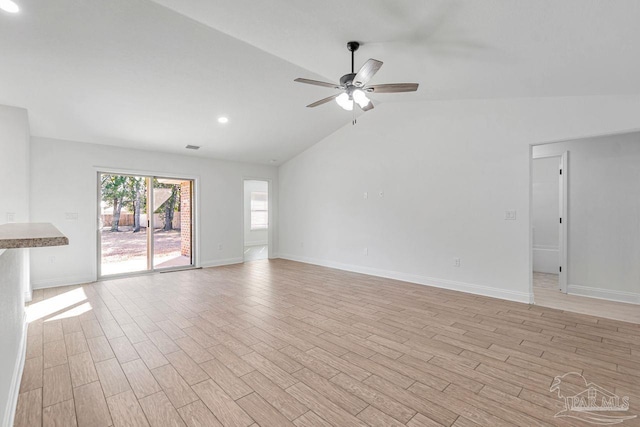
(270, 253)
(195, 222)
(563, 242)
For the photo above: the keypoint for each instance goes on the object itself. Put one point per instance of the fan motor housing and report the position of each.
(347, 79)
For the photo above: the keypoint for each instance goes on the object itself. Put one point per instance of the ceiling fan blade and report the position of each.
(317, 83)
(367, 107)
(324, 100)
(367, 72)
(392, 88)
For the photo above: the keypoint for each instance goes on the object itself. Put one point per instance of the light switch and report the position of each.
(71, 216)
(510, 215)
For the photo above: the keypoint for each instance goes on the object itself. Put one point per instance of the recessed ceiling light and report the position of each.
(9, 6)
(192, 147)
(221, 119)
(273, 160)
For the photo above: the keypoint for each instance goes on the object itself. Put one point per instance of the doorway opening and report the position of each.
(256, 220)
(549, 223)
(146, 223)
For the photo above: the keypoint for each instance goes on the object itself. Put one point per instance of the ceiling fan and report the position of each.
(353, 86)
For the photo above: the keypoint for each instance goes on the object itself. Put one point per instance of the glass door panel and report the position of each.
(172, 223)
(123, 224)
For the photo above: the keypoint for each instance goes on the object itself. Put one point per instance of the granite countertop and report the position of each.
(30, 235)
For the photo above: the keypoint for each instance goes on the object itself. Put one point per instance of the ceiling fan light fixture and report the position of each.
(345, 101)
(360, 98)
(354, 87)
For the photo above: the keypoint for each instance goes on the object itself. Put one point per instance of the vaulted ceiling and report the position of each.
(157, 74)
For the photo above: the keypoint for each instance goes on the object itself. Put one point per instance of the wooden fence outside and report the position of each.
(126, 219)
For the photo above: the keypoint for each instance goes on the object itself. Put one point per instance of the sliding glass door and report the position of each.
(146, 223)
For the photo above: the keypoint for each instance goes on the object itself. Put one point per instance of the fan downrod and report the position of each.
(352, 46)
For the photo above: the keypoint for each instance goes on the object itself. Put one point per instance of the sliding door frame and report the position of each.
(148, 174)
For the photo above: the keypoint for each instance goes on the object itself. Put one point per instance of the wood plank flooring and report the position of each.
(547, 294)
(279, 343)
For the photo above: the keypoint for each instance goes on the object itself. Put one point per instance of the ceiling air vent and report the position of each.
(192, 147)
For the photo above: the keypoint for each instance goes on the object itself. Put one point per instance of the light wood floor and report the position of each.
(546, 281)
(278, 343)
(547, 294)
(255, 252)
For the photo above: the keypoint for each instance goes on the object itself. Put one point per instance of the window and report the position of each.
(259, 210)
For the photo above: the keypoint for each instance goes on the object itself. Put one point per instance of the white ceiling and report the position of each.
(134, 73)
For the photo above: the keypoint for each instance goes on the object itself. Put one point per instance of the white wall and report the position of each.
(12, 330)
(253, 237)
(14, 278)
(448, 171)
(14, 164)
(545, 210)
(604, 215)
(64, 180)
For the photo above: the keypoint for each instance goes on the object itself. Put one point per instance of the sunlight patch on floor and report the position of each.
(56, 304)
(73, 312)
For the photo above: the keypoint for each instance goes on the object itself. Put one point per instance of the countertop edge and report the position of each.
(31, 235)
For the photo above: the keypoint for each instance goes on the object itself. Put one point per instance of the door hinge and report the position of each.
(560, 269)
(560, 220)
(560, 171)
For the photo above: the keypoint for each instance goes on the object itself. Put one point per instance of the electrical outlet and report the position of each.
(510, 215)
(456, 262)
(220, 247)
(71, 216)
(366, 251)
(381, 193)
(11, 217)
(52, 260)
(366, 195)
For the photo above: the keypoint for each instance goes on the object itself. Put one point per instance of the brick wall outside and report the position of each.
(185, 218)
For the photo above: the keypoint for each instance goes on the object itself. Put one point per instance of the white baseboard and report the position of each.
(53, 283)
(258, 243)
(14, 391)
(470, 288)
(606, 294)
(221, 262)
(63, 281)
(546, 259)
